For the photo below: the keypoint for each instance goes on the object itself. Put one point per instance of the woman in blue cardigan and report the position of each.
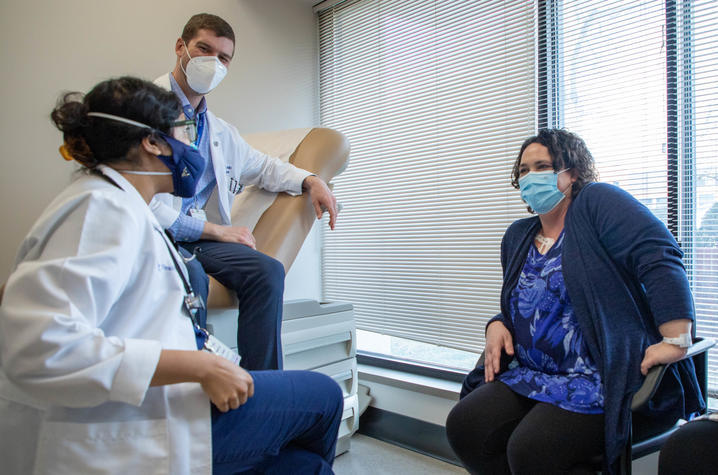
(594, 294)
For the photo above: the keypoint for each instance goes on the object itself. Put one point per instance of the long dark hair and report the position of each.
(94, 140)
(567, 150)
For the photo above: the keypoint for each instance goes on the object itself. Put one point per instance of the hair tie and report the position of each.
(65, 153)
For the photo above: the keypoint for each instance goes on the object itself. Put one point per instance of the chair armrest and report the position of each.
(2, 291)
(655, 374)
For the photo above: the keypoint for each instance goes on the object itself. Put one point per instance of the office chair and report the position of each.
(639, 447)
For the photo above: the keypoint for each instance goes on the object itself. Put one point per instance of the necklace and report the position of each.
(545, 243)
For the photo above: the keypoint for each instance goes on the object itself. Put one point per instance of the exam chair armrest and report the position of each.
(655, 374)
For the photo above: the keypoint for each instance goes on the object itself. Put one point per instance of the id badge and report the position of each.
(198, 213)
(213, 345)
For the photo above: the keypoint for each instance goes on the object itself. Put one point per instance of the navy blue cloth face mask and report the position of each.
(186, 164)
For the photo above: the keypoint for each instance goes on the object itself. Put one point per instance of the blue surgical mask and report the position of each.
(540, 190)
(186, 164)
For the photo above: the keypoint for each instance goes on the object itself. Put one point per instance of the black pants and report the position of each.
(691, 449)
(494, 430)
(258, 281)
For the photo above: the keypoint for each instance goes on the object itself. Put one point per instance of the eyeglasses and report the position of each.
(189, 127)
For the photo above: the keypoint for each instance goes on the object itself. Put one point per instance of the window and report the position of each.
(610, 65)
(638, 81)
(436, 97)
(698, 126)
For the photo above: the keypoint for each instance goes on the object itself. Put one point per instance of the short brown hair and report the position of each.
(207, 21)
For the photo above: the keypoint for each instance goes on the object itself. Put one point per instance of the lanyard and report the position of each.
(200, 128)
(199, 120)
(192, 302)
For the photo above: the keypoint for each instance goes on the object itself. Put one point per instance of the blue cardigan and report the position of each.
(624, 275)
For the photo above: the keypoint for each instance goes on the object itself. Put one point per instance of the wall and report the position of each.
(49, 47)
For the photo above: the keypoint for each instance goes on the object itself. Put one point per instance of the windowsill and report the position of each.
(412, 382)
(429, 385)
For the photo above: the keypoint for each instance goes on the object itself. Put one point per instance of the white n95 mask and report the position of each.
(203, 73)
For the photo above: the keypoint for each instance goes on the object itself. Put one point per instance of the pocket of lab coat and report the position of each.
(108, 447)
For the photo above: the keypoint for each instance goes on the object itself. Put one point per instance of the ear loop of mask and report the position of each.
(557, 174)
(186, 50)
(119, 119)
(136, 172)
(136, 124)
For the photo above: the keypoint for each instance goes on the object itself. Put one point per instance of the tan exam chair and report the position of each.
(282, 228)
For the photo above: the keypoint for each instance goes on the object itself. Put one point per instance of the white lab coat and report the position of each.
(92, 301)
(235, 163)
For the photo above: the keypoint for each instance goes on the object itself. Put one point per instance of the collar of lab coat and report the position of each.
(119, 180)
(129, 188)
(140, 203)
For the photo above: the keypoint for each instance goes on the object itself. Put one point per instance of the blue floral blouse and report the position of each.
(553, 361)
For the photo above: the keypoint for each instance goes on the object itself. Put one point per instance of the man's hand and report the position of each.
(227, 385)
(498, 339)
(322, 198)
(237, 234)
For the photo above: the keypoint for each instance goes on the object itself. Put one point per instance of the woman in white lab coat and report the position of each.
(100, 371)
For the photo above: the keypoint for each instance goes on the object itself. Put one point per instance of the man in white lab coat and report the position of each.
(202, 224)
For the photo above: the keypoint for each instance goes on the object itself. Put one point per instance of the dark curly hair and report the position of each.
(567, 150)
(95, 140)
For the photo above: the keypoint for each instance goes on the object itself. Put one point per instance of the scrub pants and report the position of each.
(289, 427)
(258, 281)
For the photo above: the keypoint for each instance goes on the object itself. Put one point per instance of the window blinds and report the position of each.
(638, 80)
(435, 98)
(696, 24)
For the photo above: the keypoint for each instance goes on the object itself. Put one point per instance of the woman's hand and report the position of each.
(661, 353)
(498, 339)
(665, 353)
(227, 385)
